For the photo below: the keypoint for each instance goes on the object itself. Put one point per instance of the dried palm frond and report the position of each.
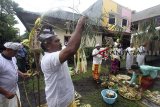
(147, 33)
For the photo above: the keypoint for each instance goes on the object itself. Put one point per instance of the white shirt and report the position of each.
(130, 51)
(141, 55)
(98, 58)
(141, 50)
(59, 87)
(130, 57)
(117, 52)
(8, 74)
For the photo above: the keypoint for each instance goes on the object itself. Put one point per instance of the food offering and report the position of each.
(153, 96)
(110, 94)
(112, 85)
(123, 77)
(104, 84)
(113, 78)
(129, 93)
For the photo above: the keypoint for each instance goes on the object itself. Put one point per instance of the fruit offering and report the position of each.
(110, 94)
(153, 96)
(129, 93)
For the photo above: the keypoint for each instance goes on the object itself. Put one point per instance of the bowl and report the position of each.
(108, 100)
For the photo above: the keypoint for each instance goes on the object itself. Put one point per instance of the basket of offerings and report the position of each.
(113, 86)
(113, 78)
(123, 77)
(153, 96)
(129, 93)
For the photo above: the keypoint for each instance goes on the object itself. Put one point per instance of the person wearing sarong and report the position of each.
(9, 91)
(130, 57)
(115, 59)
(141, 55)
(144, 71)
(22, 59)
(97, 60)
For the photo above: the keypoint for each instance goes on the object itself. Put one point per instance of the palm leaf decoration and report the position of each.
(148, 34)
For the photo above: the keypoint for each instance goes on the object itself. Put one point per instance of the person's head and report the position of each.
(50, 41)
(11, 48)
(131, 45)
(143, 44)
(135, 67)
(119, 45)
(98, 46)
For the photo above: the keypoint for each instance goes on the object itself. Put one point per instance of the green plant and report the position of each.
(88, 52)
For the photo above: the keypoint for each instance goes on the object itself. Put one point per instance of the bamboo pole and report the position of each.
(36, 57)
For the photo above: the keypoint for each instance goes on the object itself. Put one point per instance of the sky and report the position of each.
(80, 5)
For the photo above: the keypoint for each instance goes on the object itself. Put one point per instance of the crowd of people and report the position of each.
(59, 88)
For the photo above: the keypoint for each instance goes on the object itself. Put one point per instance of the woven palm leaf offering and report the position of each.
(123, 77)
(113, 78)
(153, 96)
(129, 93)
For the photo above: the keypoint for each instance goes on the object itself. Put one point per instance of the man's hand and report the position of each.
(9, 95)
(82, 20)
(25, 75)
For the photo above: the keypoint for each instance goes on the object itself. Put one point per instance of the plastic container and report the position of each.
(107, 99)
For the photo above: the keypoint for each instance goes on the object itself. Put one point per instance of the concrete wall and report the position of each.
(120, 13)
(89, 43)
(92, 43)
(127, 14)
(108, 6)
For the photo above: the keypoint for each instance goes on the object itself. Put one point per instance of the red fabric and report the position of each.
(147, 82)
(103, 53)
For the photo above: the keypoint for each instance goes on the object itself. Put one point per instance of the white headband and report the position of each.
(13, 45)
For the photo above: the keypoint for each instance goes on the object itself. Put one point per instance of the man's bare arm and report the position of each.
(74, 41)
(6, 93)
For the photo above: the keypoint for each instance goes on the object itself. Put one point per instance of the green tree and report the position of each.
(8, 9)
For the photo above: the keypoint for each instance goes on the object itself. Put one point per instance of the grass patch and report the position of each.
(94, 97)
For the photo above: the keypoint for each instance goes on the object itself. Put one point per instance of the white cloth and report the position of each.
(97, 45)
(130, 57)
(59, 87)
(116, 53)
(4, 102)
(8, 81)
(141, 55)
(13, 45)
(8, 74)
(98, 58)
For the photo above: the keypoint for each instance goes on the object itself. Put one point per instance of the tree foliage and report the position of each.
(8, 9)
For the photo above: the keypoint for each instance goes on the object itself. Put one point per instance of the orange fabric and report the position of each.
(96, 71)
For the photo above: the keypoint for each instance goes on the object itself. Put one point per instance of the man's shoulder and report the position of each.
(1, 58)
(94, 49)
(53, 55)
